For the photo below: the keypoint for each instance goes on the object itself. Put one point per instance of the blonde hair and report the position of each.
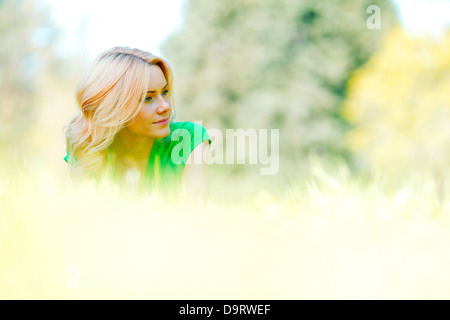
(109, 97)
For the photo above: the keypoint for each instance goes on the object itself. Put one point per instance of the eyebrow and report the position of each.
(161, 89)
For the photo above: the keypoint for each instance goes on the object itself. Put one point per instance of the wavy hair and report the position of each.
(109, 96)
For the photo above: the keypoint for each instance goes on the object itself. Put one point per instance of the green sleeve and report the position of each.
(73, 162)
(66, 158)
(189, 135)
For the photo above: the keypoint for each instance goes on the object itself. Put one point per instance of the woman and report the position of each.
(125, 128)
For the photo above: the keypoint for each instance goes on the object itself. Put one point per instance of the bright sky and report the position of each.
(430, 16)
(103, 24)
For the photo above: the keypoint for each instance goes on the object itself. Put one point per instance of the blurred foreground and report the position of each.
(330, 236)
(375, 98)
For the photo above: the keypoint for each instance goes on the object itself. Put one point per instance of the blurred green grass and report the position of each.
(332, 235)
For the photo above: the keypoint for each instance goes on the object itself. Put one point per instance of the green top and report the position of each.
(169, 155)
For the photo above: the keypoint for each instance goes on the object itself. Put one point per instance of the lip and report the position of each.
(162, 122)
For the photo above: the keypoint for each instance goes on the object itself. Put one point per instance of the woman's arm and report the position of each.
(194, 180)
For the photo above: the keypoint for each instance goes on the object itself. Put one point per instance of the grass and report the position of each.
(331, 236)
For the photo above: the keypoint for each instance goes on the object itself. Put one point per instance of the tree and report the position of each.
(27, 40)
(399, 106)
(273, 64)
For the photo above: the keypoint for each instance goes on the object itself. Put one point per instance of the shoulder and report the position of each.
(187, 125)
(185, 137)
(189, 130)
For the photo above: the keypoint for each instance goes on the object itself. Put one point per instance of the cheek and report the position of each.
(142, 121)
(146, 113)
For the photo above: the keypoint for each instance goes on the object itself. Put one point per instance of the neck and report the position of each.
(129, 144)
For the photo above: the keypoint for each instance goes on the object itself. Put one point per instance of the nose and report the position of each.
(163, 105)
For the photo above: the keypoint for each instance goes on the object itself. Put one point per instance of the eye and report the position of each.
(165, 92)
(147, 99)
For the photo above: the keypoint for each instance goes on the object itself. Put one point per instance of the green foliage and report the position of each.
(27, 40)
(273, 64)
(331, 236)
(399, 106)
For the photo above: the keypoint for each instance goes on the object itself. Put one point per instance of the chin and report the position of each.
(163, 133)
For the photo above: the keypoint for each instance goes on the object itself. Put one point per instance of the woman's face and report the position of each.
(155, 108)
